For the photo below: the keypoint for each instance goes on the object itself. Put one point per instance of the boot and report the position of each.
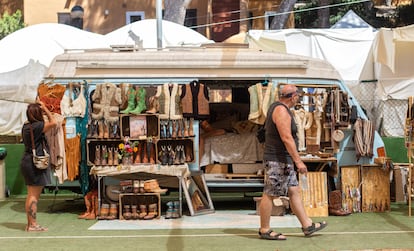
(92, 129)
(142, 212)
(134, 212)
(94, 208)
(188, 154)
(100, 129)
(113, 212)
(179, 128)
(190, 128)
(140, 98)
(131, 101)
(182, 155)
(185, 125)
(176, 210)
(174, 129)
(104, 156)
(110, 156)
(104, 212)
(335, 204)
(177, 154)
(138, 155)
(115, 156)
(115, 130)
(127, 212)
(168, 129)
(97, 161)
(105, 129)
(153, 105)
(152, 212)
(171, 155)
(170, 209)
(144, 151)
(151, 152)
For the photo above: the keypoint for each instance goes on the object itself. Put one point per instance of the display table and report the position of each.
(321, 164)
(126, 171)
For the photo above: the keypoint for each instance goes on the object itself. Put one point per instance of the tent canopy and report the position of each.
(346, 49)
(351, 20)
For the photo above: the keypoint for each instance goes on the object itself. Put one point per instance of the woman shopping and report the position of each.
(35, 178)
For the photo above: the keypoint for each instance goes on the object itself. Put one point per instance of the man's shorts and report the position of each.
(278, 178)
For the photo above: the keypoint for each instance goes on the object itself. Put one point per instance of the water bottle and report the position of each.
(304, 181)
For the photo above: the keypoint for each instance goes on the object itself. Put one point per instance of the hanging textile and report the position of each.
(51, 95)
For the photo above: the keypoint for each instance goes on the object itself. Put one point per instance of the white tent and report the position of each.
(393, 53)
(173, 35)
(346, 49)
(351, 20)
(42, 42)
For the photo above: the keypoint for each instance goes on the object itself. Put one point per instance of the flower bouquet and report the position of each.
(126, 152)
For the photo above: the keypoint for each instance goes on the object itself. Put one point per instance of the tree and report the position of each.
(279, 21)
(10, 23)
(175, 10)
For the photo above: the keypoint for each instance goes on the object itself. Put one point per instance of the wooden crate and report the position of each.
(375, 188)
(315, 195)
(351, 188)
(139, 199)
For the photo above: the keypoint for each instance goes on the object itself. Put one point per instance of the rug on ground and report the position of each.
(218, 219)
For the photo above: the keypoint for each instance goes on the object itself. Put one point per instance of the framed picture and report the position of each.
(138, 127)
(197, 195)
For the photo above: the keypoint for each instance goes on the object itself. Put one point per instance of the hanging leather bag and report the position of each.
(40, 161)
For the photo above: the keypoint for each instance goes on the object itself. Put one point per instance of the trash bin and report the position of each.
(3, 154)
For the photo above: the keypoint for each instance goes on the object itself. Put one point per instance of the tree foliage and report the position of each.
(306, 16)
(10, 23)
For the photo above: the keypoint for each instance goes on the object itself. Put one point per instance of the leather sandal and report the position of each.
(313, 228)
(268, 236)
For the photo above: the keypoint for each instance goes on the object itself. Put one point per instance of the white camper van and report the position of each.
(240, 83)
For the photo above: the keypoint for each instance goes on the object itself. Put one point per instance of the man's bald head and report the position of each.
(288, 91)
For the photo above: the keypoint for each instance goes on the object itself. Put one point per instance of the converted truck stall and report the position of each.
(194, 114)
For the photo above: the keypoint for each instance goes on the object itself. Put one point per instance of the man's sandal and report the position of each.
(36, 228)
(313, 228)
(268, 236)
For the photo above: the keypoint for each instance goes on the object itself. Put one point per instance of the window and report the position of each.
(269, 15)
(63, 17)
(133, 16)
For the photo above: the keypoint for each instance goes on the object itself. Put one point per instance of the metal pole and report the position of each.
(159, 24)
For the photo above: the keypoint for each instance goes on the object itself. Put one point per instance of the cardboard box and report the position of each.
(217, 168)
(250, 168)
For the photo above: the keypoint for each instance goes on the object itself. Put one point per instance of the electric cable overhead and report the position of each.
(276, 14)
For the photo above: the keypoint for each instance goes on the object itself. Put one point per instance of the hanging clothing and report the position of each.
(106, 98)
(73, 107)
(56, 139)
(51, 95)
(363, 138)
(260, 102)
(195, 101)
(169, 97)
(73, 157)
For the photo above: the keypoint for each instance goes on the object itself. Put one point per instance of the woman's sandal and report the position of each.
(36, 228)
(313, 228)
(268, 236)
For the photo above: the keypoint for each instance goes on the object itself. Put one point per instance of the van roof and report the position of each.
(212, 63)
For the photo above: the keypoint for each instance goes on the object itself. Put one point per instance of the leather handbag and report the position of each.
(40, 161)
